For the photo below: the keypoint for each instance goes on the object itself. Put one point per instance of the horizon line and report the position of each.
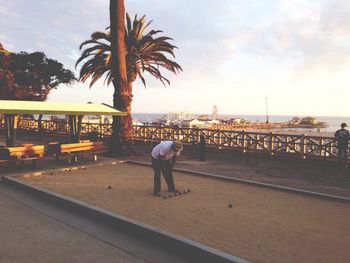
(245, 114)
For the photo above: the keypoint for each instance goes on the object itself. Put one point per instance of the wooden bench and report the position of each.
(7, 161)
(22, 153)
(77, 150)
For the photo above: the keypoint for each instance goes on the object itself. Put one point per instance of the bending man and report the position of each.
(163, 158)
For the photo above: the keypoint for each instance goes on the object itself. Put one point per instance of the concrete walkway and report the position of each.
(33, 230)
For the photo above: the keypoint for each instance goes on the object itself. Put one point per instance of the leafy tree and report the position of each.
(30, 76)
(6, 76)
(146, 52)
(35, 76)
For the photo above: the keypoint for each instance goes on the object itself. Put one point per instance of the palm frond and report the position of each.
(146, 52)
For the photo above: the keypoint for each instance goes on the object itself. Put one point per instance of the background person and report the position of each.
(163, 158)
(342, 137)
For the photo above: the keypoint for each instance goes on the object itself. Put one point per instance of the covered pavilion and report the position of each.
(11, 108)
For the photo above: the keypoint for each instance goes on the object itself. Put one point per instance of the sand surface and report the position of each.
(263, 226)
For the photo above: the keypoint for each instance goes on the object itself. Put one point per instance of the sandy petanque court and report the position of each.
(263, 225)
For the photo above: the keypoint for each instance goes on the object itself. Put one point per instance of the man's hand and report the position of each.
(161, 157)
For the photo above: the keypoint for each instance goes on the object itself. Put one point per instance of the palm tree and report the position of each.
(145, 52)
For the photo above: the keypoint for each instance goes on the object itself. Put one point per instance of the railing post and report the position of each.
(202, 148)
(303, 146)
(143, 133)
(219, 138)
(161, 134)
(271, 143)
(198, 135)
(244, 143)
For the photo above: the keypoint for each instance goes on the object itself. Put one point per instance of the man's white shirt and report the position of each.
(164, 149)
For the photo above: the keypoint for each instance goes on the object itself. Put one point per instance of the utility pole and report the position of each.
(215, 112)
(267, 113)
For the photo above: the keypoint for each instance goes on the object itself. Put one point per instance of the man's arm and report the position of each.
(173, 160)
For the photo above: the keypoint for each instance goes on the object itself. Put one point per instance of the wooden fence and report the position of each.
(300, 146)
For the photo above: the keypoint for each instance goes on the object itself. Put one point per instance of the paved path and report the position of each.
(33, 230)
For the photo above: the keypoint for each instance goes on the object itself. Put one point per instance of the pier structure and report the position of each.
(257, 126)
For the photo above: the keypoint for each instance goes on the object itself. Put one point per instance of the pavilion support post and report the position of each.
(10, 131)
(72, 127)
(75, 127)
(78, 135)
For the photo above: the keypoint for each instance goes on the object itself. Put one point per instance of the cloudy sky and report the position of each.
(234, 53)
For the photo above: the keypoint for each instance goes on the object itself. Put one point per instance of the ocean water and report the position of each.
(333, 121)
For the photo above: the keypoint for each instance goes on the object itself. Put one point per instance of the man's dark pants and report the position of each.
(343, 153)
(164, 167)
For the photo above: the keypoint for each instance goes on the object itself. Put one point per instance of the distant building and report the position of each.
(97, 119)
(308, 121)
(215, 114)
(238, 121)
(211, 122)
(195, 123)
(295, 121)
(312, 122)
(137, 122)
(204, 117)
(175, 118)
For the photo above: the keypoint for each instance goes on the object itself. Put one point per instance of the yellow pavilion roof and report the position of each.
(56, 108)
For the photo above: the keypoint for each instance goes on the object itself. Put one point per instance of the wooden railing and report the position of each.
(300, 146)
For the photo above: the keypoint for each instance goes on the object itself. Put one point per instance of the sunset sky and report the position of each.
(233, 53)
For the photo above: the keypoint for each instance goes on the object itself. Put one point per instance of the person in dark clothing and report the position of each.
(342, 137)
(163, 158)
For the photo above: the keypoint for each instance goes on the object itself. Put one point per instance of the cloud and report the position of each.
(54, 27)
(313, 35)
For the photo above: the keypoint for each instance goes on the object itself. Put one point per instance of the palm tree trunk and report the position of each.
(121, 98)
